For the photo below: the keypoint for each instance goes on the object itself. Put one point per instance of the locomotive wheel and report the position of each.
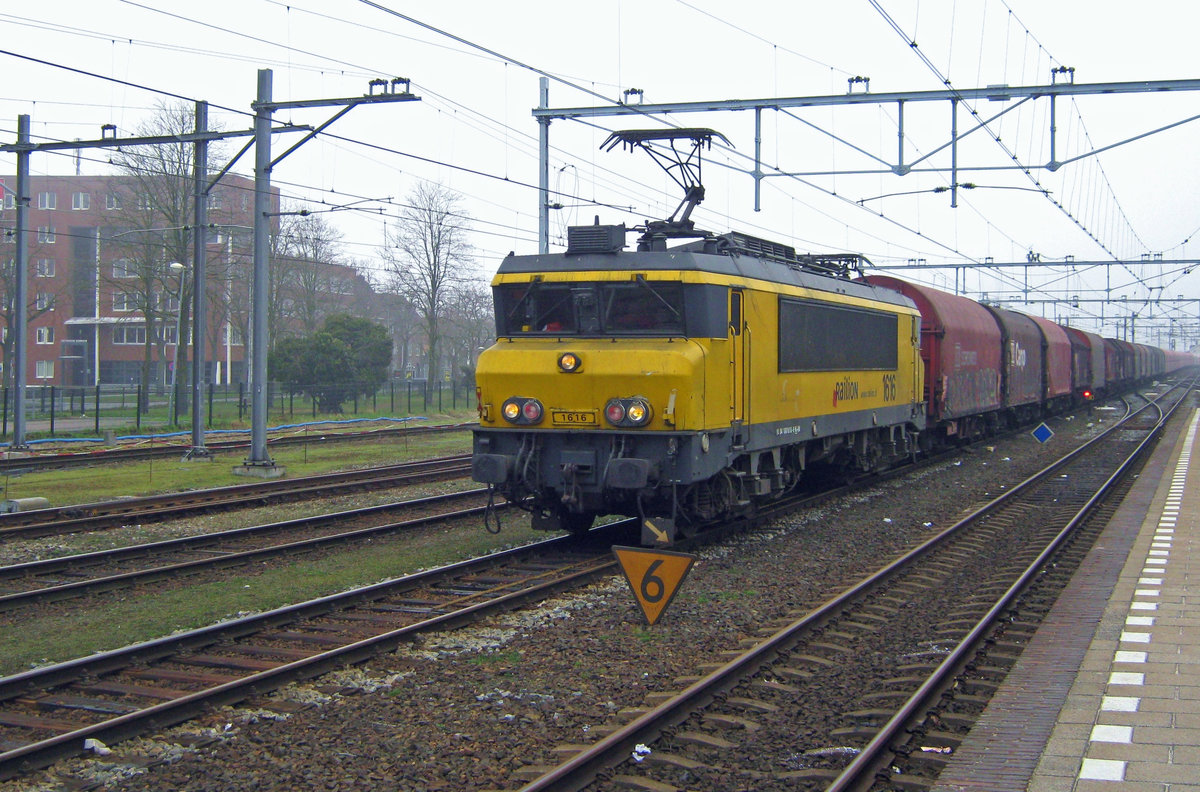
(708, 500)
(577, 523)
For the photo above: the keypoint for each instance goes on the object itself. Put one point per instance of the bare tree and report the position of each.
(308, 270)
(470, 326)
(156, 210)
(397, 315)
(428, 255)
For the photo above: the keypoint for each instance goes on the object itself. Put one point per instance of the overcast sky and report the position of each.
(476, 66)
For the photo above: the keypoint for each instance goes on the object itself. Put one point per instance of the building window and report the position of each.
(44, 369)
(47, 200)
(124, 302)
(144, 203)
(124, 268)
(170, 333)
(112, 201)
(10, 200)
(45, 335)
(44, 268)
(129, 334)
(81, 200)
(231, 336)
(46, 235)
(43, 302)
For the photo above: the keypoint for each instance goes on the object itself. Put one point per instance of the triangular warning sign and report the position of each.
(654, 576)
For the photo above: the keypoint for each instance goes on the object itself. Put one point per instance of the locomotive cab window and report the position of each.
(813, 337)
(637, 307)
(642, 307)
(534, 307)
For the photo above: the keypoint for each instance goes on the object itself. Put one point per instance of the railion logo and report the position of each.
(846, 390)
(1016, 354)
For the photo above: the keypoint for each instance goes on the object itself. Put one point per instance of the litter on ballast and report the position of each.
(96, 747)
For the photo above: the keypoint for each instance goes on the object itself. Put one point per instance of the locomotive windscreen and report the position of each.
(823, 337)
(636, 307)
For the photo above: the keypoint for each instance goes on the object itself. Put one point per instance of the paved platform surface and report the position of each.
(1106, 698)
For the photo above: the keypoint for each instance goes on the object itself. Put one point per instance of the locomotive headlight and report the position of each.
(569, 362)
(615, 412)
(628, 412)
(520, 410)
(638, 412)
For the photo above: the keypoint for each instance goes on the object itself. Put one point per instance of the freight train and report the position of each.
(688, 382)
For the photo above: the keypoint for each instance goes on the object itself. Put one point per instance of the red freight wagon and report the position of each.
(1145, 361)
(1023, 358)
(1177, 360)
(1089, 360)
(1120, 361)
(960, 345)
(1058, 359)
(1158, 361)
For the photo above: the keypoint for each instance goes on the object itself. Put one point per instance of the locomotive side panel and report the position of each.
(808, 382)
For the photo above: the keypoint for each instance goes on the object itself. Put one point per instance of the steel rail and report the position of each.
(94, 516)
(47, 461)
(580, 770)
(39, 754)
(875, 754)
(78, 588)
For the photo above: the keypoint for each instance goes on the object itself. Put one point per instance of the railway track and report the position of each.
(50, 460)
(153, 508)
(63, 577)
(876, 678)
(54, 579)
(47, 714)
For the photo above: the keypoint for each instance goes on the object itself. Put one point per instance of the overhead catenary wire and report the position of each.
(441, 32)
(922, 238)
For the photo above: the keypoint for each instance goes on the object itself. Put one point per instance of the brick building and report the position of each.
(105, 272)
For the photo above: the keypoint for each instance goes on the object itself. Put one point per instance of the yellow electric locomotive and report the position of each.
(685, 383)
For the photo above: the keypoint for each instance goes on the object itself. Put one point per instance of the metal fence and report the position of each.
(55, 409)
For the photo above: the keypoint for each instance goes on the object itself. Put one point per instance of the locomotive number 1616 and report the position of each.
(564, 418)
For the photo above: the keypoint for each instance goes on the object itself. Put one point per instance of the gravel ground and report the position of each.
(470, 709)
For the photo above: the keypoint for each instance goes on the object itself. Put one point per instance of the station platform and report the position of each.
(1106, 697)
